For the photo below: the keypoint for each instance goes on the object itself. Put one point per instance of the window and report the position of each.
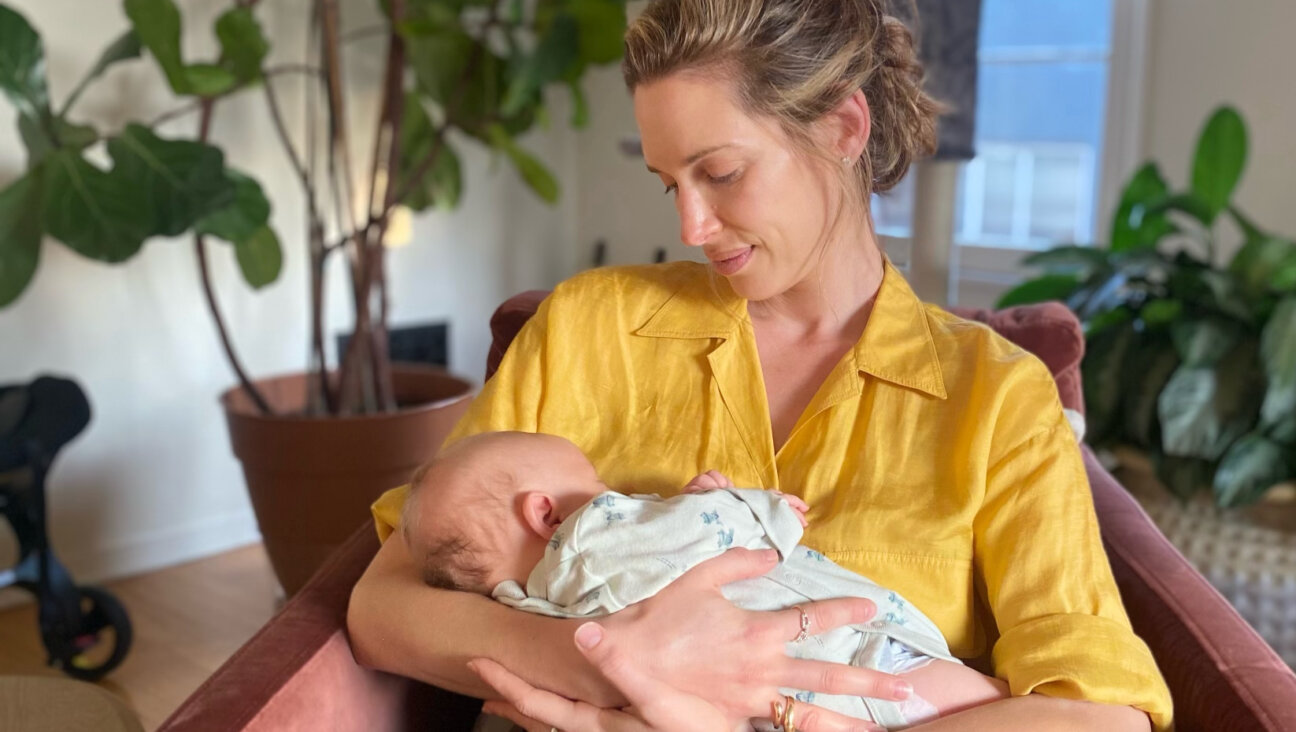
(1041, 116)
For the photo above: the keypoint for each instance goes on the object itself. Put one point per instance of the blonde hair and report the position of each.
(794, 61)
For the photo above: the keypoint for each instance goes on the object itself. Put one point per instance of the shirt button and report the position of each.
(878, 623)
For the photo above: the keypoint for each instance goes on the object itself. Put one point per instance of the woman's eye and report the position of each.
(721, 179)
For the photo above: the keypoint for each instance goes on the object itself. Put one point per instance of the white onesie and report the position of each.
(618, 550)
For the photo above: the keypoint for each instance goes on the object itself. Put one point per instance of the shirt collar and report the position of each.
(897, 344)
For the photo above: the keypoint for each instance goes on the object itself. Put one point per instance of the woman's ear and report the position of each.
(853, 125)
(540, 512)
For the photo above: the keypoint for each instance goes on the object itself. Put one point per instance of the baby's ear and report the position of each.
(540, 512)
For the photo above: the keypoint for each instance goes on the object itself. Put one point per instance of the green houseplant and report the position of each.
(1189, 358)
(454, 73)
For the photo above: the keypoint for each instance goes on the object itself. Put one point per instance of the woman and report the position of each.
(934, 455)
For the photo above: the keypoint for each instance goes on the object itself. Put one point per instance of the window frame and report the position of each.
(1120, 154)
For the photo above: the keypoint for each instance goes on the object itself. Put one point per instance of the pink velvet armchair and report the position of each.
(298, 672)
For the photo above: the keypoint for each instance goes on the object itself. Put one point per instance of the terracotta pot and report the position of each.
(312, 479)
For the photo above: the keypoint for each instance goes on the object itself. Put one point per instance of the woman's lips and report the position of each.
(732, 264)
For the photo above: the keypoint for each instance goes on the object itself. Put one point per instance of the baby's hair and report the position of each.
(453, 563)
(448, 560)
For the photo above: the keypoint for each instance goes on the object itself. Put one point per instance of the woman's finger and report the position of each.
(825, 677)
(532, 707)
(733, 565)
(510, 712)
(811, 718)
(824, 615)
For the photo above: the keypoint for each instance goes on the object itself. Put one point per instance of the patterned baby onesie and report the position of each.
(618, 550)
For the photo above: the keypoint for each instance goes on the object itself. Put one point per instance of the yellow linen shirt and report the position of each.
(935, 458)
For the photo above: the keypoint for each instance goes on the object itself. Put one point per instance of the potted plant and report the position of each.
(316, 446)
(1189, 358)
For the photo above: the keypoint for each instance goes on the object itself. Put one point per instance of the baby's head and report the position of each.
(482, 511)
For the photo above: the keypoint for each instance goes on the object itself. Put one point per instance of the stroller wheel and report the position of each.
(102, 640)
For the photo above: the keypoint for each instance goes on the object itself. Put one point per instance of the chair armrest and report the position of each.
(298, 673)
(1221, 673)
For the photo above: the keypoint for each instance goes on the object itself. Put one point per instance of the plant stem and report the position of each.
(320, 395)
(200, 247)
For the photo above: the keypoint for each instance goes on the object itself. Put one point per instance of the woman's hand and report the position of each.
(692, 638)
(654, 705)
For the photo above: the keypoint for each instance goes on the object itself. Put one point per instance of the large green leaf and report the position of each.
(1253, 465)
(126, 47)
(1149, 367)
(20, 235)
(1185, 203)
(1204, 341)
(1080, 261)
(40, 141)
(157, 23)
(536, 175)
(443, 184)
(1041, 289)
(243, 45)
(93, 212)
(1101, 370)
(246, 213)
(1259, 260)
(1203, 410)
(1226, 294)
(440, 61)
(22, 64)
(1133, 227)
(556, 51)
(209, 80)
(183, 180)
(260, 257)
(1101, 295)
(1221, 156)
(1278, 357)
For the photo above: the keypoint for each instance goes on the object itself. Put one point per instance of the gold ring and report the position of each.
(805, 625)
(784, 716)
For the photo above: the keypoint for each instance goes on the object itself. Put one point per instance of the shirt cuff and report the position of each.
(1083, 657)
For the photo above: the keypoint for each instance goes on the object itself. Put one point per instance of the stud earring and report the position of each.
(846, 160)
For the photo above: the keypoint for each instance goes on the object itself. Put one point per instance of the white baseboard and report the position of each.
(151, 551)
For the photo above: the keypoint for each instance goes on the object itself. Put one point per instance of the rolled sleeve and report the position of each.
(1063, 631)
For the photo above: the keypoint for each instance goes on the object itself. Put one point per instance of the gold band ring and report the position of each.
(783, 714)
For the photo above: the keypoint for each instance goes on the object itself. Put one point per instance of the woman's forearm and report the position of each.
(1039, 713)
(399, 625)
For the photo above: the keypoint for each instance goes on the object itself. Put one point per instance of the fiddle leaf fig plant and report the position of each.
(1189, 358)
(455, 72)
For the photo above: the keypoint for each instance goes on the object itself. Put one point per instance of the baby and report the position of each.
(524, 518)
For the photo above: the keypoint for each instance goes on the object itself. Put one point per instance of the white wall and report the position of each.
(152, 482)
(1202, 53)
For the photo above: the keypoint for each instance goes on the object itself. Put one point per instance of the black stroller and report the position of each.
(84, 629)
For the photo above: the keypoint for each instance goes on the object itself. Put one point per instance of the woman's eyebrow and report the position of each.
(697, 155)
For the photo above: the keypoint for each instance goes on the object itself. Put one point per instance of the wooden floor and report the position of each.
(187, 621)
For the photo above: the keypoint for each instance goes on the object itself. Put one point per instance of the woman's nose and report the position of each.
(698, 222)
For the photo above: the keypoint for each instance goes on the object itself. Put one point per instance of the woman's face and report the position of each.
(743, 194)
